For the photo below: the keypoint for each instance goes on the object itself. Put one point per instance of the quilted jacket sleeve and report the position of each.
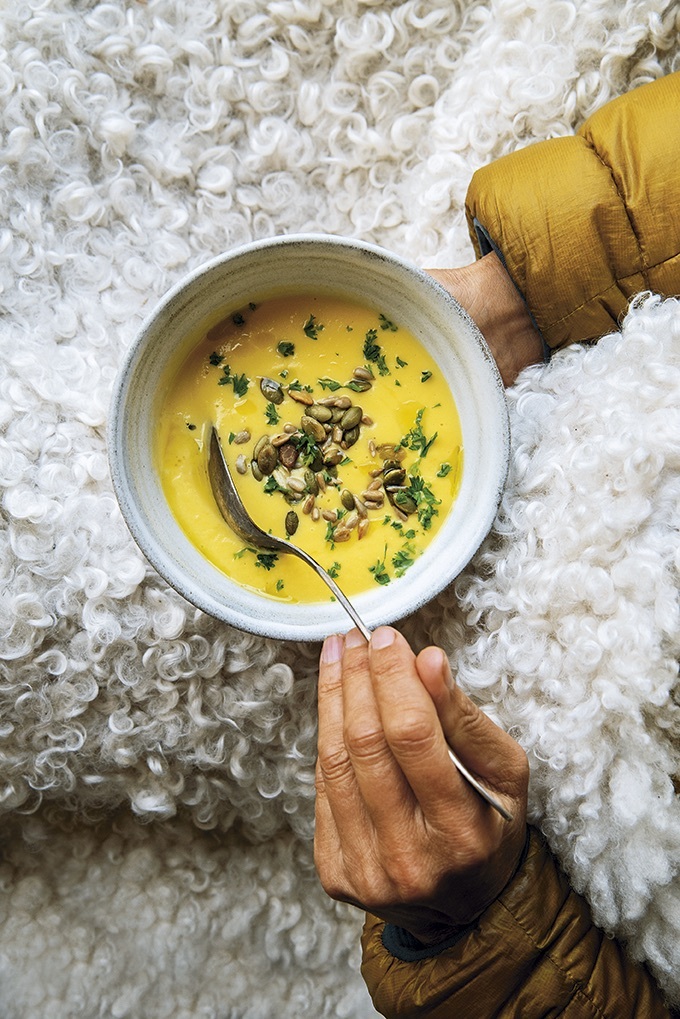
(533, 953)
(583, 223)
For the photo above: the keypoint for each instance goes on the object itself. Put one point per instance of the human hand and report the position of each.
(491, 299)
(399, 832)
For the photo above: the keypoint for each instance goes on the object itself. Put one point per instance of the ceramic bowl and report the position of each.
(305, 263)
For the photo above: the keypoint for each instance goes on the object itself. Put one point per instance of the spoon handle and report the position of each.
(344, 601)
(361, 626)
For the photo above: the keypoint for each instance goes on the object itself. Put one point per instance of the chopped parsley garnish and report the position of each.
(330, 529)
(272, 415)
(297, 387)
(373, 352)
(279, 585)
(215, 359)
(285, 348)
(331, 384)
(424, 498)
(334, 570)
(416, 439)
(306, 445)
(239, 382)
(312, 328)
(424, 376)
(380, 574)
(238, 319)
(402, 364)
(267, 560)
(386, 324)
(402, 559)
(271, 485)
(444, 470)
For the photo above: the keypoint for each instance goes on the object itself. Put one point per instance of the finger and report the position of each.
(327, 842)
(336, 783)
(384, 790)
(412, 727)
(484, 748)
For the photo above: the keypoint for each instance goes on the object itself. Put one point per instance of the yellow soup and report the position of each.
(340, 433)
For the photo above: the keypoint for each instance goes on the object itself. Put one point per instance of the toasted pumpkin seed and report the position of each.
(351, 418)
(390, 451)
(394, 476)
(260, 444)
(347, 499)
(301, 397)
(332, 456)
(313, 428)
(311, 481)
(271, 390)
(288, 455)
(242, 437)
(267, 458)
(292, 521)
(320, 413)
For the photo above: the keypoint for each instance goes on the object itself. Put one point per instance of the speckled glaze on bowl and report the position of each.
(304, 263)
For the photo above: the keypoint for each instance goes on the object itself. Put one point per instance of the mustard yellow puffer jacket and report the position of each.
(585, 222)
(582, 224)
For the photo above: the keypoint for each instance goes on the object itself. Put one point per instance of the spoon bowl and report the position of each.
(234, 512)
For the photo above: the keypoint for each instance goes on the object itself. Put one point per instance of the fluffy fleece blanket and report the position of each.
(156, 767)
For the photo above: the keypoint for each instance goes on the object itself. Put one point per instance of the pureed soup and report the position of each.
(340, 433)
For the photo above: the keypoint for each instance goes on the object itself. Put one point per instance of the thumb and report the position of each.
(482, 745)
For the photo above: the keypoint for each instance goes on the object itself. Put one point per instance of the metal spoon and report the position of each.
(234, 512)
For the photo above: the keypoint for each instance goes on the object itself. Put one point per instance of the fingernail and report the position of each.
(383, 637)
(354, 638)
(332, 649)
(446, 670)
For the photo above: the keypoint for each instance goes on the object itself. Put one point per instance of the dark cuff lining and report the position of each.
(486, 246)
(405, 947)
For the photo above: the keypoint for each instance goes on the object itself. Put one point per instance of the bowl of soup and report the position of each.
(360, 412)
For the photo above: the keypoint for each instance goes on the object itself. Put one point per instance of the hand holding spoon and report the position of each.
(234, 512)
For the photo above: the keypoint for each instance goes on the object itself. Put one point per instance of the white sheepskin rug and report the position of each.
(156, 767)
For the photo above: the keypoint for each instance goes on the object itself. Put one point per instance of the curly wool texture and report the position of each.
(140, 139)
(566, 628)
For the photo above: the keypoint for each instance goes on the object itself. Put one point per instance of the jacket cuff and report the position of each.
(586, 222)
(534, 951)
